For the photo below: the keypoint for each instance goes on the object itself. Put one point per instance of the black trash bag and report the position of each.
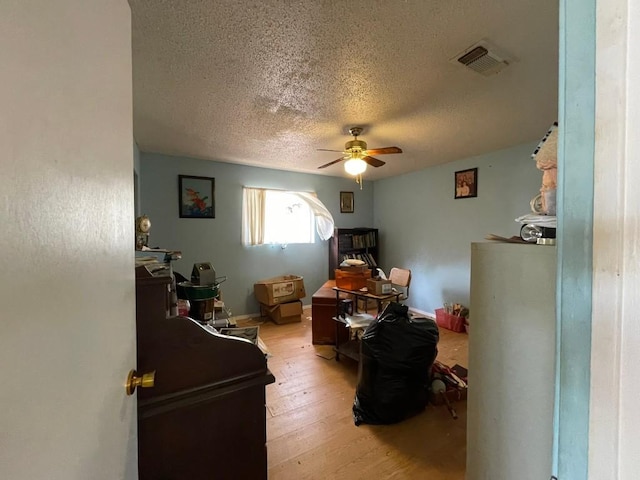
(396, 356)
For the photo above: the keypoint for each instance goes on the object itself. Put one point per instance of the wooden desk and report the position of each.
(351, 348)
(205, 416)
(323, 309)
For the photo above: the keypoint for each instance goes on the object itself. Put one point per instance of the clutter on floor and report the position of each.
(279, 298)
(453, 316)
(397, 352)
(449, 384)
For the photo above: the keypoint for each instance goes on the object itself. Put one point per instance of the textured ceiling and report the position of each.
(268, 82)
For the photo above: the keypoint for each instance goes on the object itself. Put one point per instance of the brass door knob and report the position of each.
(147, 380)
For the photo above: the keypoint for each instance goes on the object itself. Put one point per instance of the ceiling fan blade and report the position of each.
(382, 151)
(374, 162)
(331, 163)
(327, 150)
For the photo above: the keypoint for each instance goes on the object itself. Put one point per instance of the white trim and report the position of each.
(249, 316)
(422, 313)
(614, 416)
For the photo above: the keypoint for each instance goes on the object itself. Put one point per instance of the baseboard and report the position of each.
(421, 313)
(248, 316)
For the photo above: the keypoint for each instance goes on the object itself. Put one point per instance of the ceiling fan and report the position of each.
(357, 155)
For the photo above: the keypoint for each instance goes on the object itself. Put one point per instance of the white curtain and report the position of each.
(324, 220)
(253, 216)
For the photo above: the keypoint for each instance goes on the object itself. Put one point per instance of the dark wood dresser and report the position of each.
(323, 309)
(205, 416)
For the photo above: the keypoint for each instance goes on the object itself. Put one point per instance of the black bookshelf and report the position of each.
(357, 243)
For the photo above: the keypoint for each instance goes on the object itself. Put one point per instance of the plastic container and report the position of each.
(350, 280)
(191, 292)
(448, 321)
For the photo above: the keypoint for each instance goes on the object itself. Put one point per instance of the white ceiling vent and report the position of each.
(483, 58)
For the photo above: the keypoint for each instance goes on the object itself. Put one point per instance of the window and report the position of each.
(277, 216)
(288, 219)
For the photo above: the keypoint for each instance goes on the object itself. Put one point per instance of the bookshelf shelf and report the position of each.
(357, 243)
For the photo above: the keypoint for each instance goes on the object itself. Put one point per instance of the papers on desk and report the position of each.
(359, 320)
(250, 333)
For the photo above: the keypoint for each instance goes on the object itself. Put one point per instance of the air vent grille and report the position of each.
(473, 56)
(482, 58)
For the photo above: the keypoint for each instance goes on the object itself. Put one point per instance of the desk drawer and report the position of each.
(323, 328)
(323, 309)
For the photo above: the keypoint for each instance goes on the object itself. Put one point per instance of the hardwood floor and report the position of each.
(310, 429)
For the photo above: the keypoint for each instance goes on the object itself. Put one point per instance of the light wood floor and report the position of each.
(310, 429)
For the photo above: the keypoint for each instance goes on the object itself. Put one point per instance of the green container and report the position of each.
(191, 292)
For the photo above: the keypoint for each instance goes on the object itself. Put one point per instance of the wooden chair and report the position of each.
(400, 280)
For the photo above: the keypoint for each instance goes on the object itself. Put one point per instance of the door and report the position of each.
(67, 304)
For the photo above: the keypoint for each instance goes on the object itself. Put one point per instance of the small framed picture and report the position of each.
(196, 197)
(346, 202)
(466, 183)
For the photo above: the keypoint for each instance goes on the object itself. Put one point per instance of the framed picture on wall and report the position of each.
(196, 197)
(346, 202)
(466, 183)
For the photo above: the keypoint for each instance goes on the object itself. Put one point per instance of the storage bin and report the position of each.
(448, 321)
(352, 280)
(355, 268)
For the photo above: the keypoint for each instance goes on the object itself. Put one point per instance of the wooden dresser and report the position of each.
(205, 416)
(323, 309)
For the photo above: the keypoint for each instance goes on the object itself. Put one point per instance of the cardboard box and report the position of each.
(352, 280)
(378, 287)
(285, 312)
(276, 290)
(367, 305)
(448, 321)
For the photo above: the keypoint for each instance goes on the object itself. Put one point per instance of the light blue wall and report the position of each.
(219, 240)
(423, 228)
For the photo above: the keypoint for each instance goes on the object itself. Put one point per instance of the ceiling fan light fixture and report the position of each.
(357, 156)
(355, 166)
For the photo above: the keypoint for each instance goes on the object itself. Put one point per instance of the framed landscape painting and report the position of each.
(196, 197)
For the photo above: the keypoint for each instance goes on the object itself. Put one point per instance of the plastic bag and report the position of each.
(397, 353)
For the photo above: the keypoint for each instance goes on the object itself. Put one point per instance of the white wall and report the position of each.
(67, 328)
